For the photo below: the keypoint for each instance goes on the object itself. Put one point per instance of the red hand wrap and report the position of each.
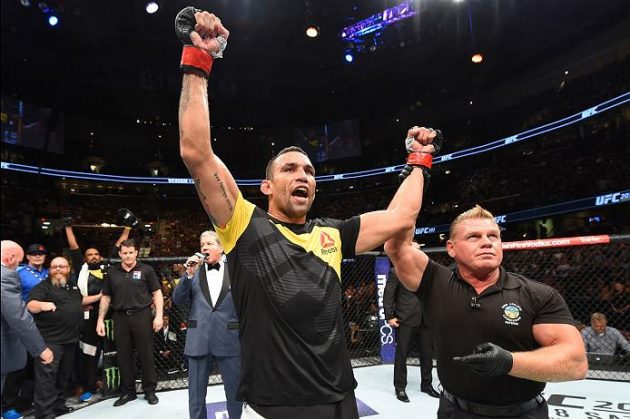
(420, 159)
(196, 60)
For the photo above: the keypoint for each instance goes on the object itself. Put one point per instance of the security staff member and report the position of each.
(479, 307)
(130, 287)
(56, 306)
(404, 312)
(34, 272)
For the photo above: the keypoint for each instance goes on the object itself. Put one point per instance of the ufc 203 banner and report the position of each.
(386, 332)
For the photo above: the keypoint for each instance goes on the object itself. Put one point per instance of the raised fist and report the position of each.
(423, 140)
(201, 29)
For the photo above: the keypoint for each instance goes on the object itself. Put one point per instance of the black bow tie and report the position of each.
(216, 266)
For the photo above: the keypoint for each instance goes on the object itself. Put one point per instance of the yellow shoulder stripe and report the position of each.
(242, 215)
(324, 242)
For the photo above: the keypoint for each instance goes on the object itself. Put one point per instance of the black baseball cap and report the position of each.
(36, 249)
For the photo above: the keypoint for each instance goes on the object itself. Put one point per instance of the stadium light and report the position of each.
(53, 20)
(151, 7)
(312, 31)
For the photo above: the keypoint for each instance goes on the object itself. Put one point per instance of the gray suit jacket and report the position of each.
(212, 330)
(19, 332)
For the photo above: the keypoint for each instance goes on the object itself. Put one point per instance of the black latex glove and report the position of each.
(487, 359)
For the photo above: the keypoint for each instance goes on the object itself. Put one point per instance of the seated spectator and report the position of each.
(601, 339)
(168, 348)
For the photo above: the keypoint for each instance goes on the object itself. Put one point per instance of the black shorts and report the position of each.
(343, 409)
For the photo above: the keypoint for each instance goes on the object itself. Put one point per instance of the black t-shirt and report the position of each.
(505, 315)
(131, 290)
(286, 286)
(62, 325)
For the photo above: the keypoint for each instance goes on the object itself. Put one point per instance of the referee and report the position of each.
(520, 332)
(131, 287)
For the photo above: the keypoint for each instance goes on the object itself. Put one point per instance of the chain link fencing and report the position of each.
(592, 279)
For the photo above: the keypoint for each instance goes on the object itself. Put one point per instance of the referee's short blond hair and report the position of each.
(475, 212)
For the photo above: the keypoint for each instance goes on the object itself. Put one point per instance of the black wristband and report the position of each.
(406, 171)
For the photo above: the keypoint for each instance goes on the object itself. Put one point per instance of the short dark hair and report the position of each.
(269, 169)
(128, 243)
(91, 247)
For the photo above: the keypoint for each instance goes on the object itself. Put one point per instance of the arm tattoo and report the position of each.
(185, 96)
(103, 306)
(203, 198)
(223, 191)
(184, 99)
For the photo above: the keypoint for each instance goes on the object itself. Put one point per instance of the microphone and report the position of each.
(474, 304)
(200, 256)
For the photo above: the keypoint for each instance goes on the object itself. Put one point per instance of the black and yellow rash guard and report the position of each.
(286, 286)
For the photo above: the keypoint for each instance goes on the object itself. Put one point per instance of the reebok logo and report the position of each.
(326, 241)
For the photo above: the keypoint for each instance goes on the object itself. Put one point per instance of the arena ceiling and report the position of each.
(111, 58)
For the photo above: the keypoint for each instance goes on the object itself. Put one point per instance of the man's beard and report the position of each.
(60, 283)
(94, 266)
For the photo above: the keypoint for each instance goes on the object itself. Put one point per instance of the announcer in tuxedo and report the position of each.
(403, 311)
(212, 333)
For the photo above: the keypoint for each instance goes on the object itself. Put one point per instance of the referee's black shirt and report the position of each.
(503, 314)
(131, 290)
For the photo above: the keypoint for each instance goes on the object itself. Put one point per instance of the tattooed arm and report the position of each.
(102, 312)
(215, 185)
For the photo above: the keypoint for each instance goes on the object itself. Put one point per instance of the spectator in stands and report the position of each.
(619, 305)
(168, 347)
(56, 305)
(603, 339)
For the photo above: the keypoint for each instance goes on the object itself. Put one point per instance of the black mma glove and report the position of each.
(185, 23)
(127, 218)
(194, 59)
(488, 360)
(67, 221)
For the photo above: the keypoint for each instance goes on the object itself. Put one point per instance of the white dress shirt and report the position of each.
(215, 281)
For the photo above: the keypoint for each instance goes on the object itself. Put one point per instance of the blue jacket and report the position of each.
(19, 332)
(212, 330)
